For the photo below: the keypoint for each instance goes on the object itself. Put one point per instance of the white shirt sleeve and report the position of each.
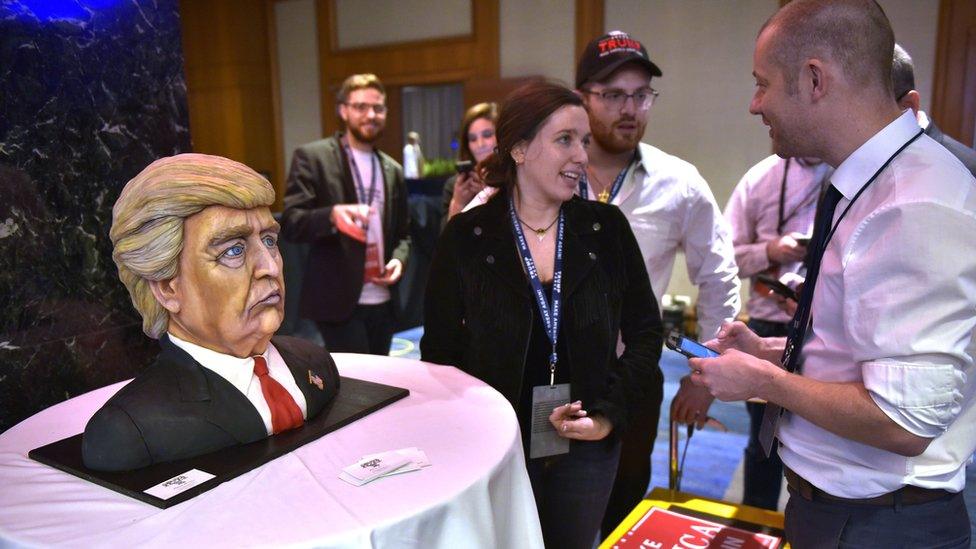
(910, 310)
(750, 255)
(710, 259)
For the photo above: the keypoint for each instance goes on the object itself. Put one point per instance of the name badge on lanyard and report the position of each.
(544, 440)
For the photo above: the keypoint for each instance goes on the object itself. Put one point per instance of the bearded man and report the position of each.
(670, 208)
(348, 200)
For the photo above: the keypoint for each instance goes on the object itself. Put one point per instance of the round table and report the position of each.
(476, 492)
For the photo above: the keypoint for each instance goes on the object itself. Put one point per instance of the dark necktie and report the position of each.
(801, 320)
(285, 413)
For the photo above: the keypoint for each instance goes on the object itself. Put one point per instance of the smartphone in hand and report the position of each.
(776, 286)
(688, 347)
(463, 166)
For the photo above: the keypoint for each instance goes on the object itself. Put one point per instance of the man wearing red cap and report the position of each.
(670, 209)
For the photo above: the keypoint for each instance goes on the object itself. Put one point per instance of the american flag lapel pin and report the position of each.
(316, 380)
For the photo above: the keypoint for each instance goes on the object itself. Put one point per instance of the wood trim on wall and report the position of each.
(230, 84)
(275, 75)
(954, 81)
(436, 61)
(590, 23)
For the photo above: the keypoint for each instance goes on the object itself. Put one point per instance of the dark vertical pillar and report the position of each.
(91, 91)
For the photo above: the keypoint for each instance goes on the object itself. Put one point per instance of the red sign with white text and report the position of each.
(663, 529)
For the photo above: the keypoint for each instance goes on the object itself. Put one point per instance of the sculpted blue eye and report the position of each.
(269, 241)
(236, 250)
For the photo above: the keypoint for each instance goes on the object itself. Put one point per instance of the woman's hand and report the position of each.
(467, 185)
(571, 421)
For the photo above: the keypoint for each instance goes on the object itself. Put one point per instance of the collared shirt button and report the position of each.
(596, 226)
(477, 231)
(593, 256)
(490, 259)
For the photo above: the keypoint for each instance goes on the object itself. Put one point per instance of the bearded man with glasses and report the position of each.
(348, 200)
(670, 208)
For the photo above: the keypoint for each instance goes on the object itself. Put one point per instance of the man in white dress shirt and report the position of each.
(877, 391)
(670, 209)
(771, 213)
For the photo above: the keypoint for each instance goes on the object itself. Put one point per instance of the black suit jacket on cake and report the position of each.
(319, 179)
(178, 409)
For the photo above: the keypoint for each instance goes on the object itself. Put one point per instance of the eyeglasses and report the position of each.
(643, 98)
(363, 108)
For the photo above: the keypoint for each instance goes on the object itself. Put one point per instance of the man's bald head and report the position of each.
(855, 34)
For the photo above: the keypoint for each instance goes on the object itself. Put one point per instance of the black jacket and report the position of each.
(319, 179)
(478, 311)
(965, 155)
(178, 409)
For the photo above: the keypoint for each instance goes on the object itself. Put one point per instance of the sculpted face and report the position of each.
(229, 293)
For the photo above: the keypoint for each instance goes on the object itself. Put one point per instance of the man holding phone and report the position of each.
(871, 396)
(771, 212)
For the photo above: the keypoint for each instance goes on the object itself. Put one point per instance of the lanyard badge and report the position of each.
(544, 441)
(550, 313)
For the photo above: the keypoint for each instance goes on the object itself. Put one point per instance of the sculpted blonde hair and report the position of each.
(147, 220)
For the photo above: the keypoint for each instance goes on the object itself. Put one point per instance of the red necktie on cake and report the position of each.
(285, 413)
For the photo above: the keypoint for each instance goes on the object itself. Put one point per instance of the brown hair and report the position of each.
(524, 111)
(359, 82)
(854, 33)
(902, 73)
(488, 111)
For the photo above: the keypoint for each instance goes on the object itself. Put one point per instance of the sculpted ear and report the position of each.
(167, 294)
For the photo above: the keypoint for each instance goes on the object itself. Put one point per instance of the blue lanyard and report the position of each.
(360, 190)
(584, 190)
(550, 313)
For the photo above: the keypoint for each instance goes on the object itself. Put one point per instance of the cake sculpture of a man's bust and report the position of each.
(197, 247)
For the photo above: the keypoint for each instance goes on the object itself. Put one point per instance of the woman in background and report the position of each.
(530, 292)
(477, 142)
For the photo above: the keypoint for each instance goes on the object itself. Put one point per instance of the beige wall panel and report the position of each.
(537, 38)
(916, 24)
(298, 66)
(377, 22)
(704, 49)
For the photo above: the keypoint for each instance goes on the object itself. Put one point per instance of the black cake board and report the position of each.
(356, 399)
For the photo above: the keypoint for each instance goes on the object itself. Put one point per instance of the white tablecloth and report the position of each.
(475, 494)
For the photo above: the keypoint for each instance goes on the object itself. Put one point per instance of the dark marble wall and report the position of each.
(91, 91)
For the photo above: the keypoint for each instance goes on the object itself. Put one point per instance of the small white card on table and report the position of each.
(179, 484)
(372, 468)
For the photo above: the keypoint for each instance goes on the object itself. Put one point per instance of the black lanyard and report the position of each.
(783, 218)
(550, 313)
(584, 190)
(860, 192)
(360, 190)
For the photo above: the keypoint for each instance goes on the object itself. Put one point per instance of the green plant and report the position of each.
(438, 167)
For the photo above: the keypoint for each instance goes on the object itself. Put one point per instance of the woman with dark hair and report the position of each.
(477, 142)
(530, 293)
